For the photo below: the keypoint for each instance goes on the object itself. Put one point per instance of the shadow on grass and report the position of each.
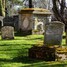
(46, 65)
(22, 59)
(64, 37)
(33, 63)
(30, 39)
(34, 39)
(23, 33)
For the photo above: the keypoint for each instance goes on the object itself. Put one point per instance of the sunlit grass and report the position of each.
(23, 40)
(64, 40)
(14, 53)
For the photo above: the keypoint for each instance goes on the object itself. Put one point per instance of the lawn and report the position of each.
(14, 53)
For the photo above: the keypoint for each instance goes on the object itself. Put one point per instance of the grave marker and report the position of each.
(7, 32)
(53, 33)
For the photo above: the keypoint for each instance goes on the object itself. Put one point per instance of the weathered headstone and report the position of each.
(38, 27)
(8, 21)
(42, 52)
(53, 33)
(41, 18)
(11, 21)
(25, 22)
(7, 32)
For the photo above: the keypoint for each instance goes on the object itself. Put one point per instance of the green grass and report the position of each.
(14, 53)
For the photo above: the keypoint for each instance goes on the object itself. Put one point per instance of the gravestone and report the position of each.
(25, 21)
(53, 33)
(8, 21)
(41, 18)
(7, 32)
(11, 21)
(38, 26)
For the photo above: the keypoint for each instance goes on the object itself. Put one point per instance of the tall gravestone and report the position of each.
(7, 32)
(41, 18)
(25, 21)
(53, 33)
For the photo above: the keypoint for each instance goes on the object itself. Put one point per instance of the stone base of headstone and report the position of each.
(61, 53)
(7, 33)
(42, 53)
(48, 53)
(36, 32)
(7, 38)
(24, 33)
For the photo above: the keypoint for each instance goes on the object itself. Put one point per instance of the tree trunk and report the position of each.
(56, 11)
(66, 36)
(59, 13)
(30, 4)
(2, 7)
